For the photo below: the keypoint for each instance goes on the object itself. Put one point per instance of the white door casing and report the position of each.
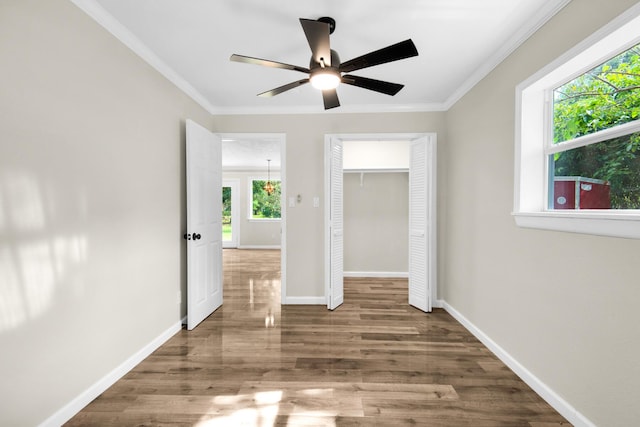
(422, 212)
(421, 222)
(334, 274)
(204, 223)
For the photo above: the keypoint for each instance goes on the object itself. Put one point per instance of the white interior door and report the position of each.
(335, 226)
(422, 222)
(204, 223)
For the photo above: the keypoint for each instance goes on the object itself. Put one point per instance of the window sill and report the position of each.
(264, 219)
(618, 224)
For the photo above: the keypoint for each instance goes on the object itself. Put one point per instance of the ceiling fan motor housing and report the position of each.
(325, 77)
(335, 62)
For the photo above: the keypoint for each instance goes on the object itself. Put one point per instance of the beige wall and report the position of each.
(91, 205)
(253, 233)
(376, 222)
(305, 170)
(564, 305)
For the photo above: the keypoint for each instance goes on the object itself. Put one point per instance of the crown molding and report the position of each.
(343, 109)
(119, 31)
(543, 15)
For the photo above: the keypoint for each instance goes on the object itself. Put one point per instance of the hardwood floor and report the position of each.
(375, 361)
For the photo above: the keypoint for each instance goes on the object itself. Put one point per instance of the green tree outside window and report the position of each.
(265, 206)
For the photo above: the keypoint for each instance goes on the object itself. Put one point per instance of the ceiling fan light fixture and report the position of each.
(325, 79)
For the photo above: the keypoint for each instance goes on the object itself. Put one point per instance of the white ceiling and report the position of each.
(250, 153)
(459, 42)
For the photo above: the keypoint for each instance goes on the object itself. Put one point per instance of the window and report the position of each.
(578, 137)
(264, 206)
(603, 172)
(227, 231)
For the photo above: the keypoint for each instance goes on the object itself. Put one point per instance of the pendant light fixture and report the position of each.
(268, 187)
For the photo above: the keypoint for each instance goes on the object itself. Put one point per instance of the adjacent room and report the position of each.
(529, 255)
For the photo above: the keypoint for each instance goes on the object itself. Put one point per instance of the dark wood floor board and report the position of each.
(135, 419)
(314, 376)
(169, 386)
(374, 361)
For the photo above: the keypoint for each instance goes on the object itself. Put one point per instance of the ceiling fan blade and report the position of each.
(318, 37)
(402, 50)
(330, 98)
(279, 90)
(372, 84)
(266, 63)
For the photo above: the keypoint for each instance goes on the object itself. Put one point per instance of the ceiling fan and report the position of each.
(326, 71)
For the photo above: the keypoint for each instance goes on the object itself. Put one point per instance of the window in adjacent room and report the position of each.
(264, 206)
(578, 137)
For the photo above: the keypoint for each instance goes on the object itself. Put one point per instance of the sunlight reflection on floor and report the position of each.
(262, 414)
(262, 409)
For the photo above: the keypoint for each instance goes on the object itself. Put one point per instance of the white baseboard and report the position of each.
(305, 301)
(550, 396)
(65, 413)
(259, 247)
(377, 274)
(438, 303)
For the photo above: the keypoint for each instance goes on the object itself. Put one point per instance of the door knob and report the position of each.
(196, 236)
(187, 237)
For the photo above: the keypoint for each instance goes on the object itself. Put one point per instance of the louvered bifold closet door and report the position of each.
(419, 290)
(336, 292)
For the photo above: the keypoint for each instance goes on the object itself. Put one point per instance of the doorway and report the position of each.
(230, 213)
(420, 236)
(376, 208)
(249, 161)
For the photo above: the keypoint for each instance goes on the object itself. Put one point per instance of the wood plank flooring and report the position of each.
(375, 361)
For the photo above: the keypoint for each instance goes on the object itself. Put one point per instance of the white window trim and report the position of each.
(250, 217)
(533, 127)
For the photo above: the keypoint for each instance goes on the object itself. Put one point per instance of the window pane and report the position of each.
(265, 205)
(605, 175)
(226, 214)
(604, 97)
